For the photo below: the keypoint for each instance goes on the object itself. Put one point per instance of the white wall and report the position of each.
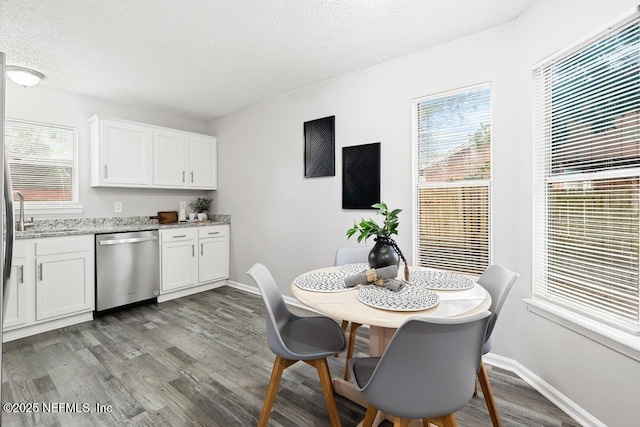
(293, 224)
(42, 104)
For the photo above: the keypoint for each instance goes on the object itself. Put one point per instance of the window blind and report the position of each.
(453, 145)
(587, 198)
(42, 162)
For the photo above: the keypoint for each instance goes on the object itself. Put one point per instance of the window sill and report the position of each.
(43, 210)
(622, 342)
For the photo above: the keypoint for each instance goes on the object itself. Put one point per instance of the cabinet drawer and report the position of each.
(19, 250)
(63, 245)
(213, 231)
(178, 234)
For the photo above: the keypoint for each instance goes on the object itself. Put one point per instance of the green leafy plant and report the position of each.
(368, 227)
(200, 204)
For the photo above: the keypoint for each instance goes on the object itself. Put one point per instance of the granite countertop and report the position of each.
(74, 227)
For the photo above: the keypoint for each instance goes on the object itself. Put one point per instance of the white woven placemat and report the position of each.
(441, 280)
(410, 298)
(322, 282)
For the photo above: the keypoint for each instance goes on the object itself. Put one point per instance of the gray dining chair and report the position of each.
(427, 371)
(498, 281)
(350, 255)
(293, 338)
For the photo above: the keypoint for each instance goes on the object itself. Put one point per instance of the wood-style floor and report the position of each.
(198, 361)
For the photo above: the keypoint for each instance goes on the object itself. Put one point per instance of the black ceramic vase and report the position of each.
(383, 255)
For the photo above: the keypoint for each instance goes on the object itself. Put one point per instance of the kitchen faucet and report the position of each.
(21, 225)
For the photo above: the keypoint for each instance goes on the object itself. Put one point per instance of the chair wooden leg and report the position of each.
(444, 421)
(369, 416)
(278, 367)
(401, 422)
(350, 346)
(344, 325)
(483, 378)
(325, 380)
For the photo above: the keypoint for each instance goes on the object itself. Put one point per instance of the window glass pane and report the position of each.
(588, 179)
(454, 135)
(42, 161)
(594, 99)
(454, 171)
(593, 255)
(453, 228)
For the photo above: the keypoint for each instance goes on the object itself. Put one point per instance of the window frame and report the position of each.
(416, 186)
(37, 208)
(584, 321)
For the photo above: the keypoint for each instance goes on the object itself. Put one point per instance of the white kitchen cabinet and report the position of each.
(64, 281)
(16, 296)
(213, 263)
(193, 259)
(203, 162)
(182, 160)
(179, 263)
(170, 158)
(121, 153)
(54, 278)
(132, 154)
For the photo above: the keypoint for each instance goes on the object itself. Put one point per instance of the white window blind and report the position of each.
(587, 197)
(42, 162)
(453, 152)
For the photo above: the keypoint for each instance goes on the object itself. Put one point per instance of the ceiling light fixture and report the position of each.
(25, 77)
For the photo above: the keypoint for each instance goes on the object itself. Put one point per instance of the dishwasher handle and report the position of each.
(130, 240)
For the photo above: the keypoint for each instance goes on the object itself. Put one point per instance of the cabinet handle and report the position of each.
(193, 250)
(179, 236)
(201, 248)
(22, 274)
(106, 172)
(182, 176)
(192, 177)
(40, 271)
(214, 232)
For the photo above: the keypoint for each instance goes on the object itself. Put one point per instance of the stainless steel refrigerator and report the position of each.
(6, 199)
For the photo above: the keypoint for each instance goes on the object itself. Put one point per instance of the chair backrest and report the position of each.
(351, 255)
(277, 312)
(429, 367)
(498, 281)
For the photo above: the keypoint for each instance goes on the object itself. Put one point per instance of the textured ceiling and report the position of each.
(206, 58)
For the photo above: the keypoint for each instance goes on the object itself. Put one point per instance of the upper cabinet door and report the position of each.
(124, 154)
(170, 158)
(132, 154)
(203, 162)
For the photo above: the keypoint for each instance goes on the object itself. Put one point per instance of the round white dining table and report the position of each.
(344, 305)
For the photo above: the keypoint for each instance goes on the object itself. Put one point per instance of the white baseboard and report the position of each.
(252, 289)
(190, 291)
(46, 326)
(544, 388)
(243, 287)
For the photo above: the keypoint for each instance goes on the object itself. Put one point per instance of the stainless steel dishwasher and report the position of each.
(127, 269)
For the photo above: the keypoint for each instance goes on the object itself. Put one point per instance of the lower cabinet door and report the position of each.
(16, 296)
(214, 259)
(179, 265)
(64, 284)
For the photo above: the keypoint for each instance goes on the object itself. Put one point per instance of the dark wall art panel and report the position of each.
(319, 147)
(360, 176)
